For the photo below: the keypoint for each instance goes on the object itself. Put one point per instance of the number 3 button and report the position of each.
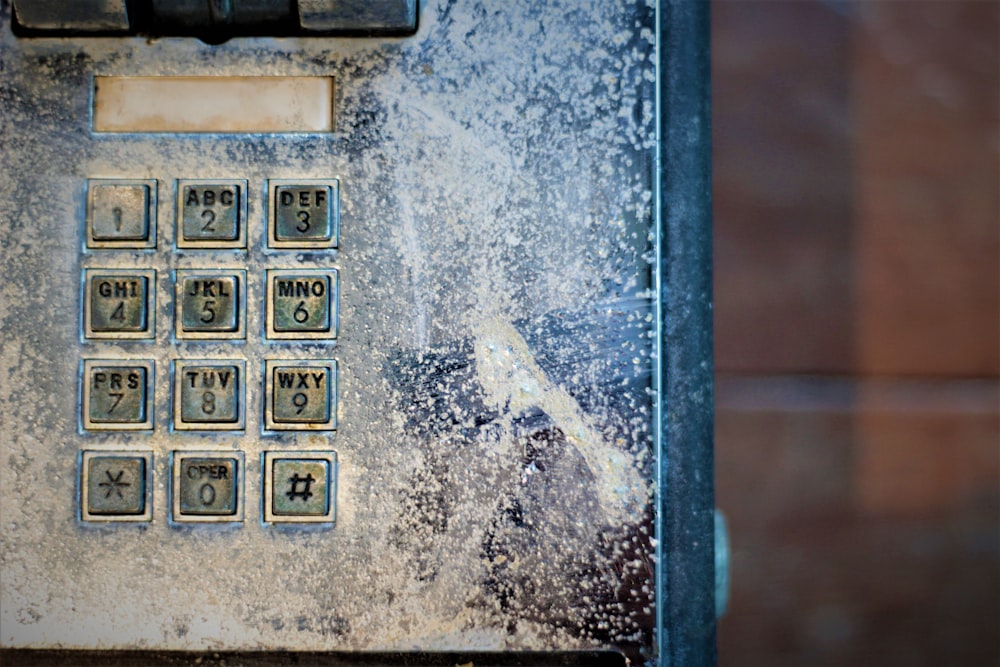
(304, 214)
(210, 304)
(301, 395)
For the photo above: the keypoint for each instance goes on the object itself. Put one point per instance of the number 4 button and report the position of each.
(210, 304)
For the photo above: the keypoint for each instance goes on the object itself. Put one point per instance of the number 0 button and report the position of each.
(302, 304)
(207, 486)
(304, 213)
(301, 395)
(208, 395)
(210, 304)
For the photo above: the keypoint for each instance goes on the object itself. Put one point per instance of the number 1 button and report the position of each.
(121, 213)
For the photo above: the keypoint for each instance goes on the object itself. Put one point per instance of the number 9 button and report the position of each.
(301, 395)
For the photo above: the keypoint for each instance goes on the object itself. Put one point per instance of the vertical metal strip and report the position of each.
(685, 523)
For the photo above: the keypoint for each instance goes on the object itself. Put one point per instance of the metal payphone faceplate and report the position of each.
(492, 465)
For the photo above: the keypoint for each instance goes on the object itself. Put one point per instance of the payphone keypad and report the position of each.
(208, 393)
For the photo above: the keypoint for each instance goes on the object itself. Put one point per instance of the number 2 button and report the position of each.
(212, 214)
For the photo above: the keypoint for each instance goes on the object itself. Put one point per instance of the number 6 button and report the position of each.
(301, 395)
(210, 304)
(208, 395)
(302, 304)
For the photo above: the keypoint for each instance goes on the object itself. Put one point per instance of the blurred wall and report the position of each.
(857, 268)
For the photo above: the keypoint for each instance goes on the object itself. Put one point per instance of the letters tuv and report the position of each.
(208, 378)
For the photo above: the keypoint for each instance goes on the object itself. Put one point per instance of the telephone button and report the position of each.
(302, 304)
(208, 395)
(117, 395)
(300, 487)
(207, 486)
(119, 304)
(121, 213)
(304, 214)
(210, 304)
(115, 486)
(300, 395)
(211, 214)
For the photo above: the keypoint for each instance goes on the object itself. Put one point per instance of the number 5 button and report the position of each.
(210, 304)
(302, 304)
(301, 395)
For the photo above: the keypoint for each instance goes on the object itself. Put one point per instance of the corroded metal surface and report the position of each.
(494, 471)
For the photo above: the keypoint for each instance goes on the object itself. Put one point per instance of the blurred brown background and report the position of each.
(857, 285)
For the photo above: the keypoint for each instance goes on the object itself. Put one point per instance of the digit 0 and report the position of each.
(206, 494)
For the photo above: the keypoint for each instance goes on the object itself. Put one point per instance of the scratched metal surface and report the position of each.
(495, 439)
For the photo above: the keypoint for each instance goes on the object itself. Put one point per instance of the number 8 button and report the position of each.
(208, 395)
